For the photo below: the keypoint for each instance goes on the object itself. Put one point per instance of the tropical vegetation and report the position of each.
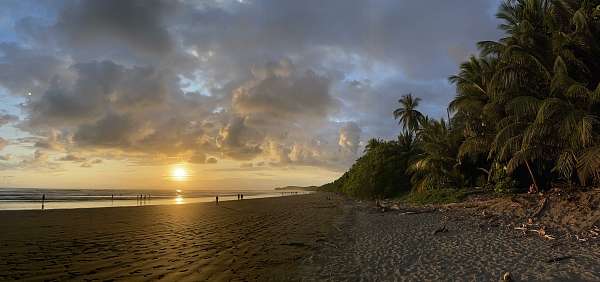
(526, 113)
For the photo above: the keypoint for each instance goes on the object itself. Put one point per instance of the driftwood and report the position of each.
(541, 232)
(384, 207)
(559, 258)
(540, 208)
(440, 230)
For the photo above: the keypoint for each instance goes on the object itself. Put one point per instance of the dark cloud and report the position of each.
(24, 71)
(273, 82)
(110, 131)
(416, 35)
(99, 87)
(277, 92)
(99, 25)
(239, 141)
(7, 118)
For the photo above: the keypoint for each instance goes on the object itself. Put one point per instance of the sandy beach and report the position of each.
(300, 238)
(259, 239)
(392, 246)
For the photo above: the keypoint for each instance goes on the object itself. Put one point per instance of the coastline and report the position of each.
(311, 237)
(23, 199)
(257, 239)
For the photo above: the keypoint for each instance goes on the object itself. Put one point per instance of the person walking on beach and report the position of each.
(217, 199)
(43, 200)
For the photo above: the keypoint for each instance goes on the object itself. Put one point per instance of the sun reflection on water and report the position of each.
(179, 199)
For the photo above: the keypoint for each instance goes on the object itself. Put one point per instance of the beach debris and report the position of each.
(294, 244)
(506, 277)
(558, 258)
(442, 229)
(541, 231)
(540, 207)
(325, 207)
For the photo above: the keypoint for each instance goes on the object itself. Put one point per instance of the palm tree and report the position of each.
(408, 115)
(436, 166)
(546, 80)
(475, 112)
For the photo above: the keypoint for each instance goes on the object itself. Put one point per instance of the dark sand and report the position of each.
(299, 238)
(259, 239)
(391, 246)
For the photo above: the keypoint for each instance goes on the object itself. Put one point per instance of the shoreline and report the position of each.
(258, 239)
(107, 202)
(312, 237)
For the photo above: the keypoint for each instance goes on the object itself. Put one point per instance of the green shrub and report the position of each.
(436, 196)
(379, 173)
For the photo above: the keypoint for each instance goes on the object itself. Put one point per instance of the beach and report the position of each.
(310, 237)
(258, 239)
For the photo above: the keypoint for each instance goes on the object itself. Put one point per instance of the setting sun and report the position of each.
(179, 174)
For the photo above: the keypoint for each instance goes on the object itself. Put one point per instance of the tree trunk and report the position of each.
(487, 172)
(531, 174)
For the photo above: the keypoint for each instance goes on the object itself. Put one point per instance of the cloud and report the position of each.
(6, 157)
(88, 164)
(7, 118)
(268, 82)
(72, 158)
(94, 89)
(239, 141)
(39, 161)
(197, 158)
(138, 24)
(278, 92)
(54, 140)
(3, 143)
(350, 137)
(110, 131)
(24, 71)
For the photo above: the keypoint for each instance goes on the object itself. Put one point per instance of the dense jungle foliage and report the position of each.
(525, 115)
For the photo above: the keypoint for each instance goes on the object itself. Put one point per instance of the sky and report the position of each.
(217, 94)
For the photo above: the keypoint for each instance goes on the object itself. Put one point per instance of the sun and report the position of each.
(179, 174)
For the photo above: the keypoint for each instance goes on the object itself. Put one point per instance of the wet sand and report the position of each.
(312, 237)
(258, 239)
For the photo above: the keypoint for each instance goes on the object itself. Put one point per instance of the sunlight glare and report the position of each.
(179, 174)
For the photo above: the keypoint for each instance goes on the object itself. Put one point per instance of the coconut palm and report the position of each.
(436, 166)
(408, 115)
(546, 85)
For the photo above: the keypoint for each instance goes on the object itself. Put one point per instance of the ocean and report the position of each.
(31, 198)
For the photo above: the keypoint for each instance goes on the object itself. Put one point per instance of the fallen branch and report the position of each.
(540, 232)
(418, 211)
(559, 258)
